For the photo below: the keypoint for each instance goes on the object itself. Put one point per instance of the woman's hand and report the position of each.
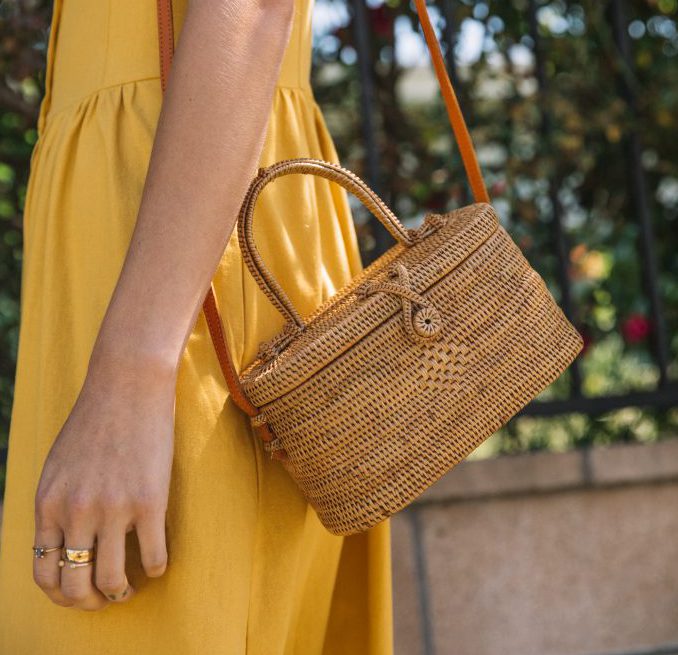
(107, 473)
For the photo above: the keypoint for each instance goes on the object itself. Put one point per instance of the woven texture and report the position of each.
(410, 367)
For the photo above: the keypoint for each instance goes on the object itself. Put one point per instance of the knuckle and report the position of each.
(111, 585)
(155, 565)
(46, 581)
(46, 504)
(79, 505)
(149, 503)
(75, 592)
(113, 503)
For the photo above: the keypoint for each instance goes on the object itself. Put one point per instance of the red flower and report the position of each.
(636, 328)
(382, 21)
(437, 201)
(587, 338)
(525, 242)
(498, 188)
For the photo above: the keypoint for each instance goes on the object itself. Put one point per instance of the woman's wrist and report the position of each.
(141, 340)
(121, 364)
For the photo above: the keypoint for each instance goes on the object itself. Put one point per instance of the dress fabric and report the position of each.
(251, 569)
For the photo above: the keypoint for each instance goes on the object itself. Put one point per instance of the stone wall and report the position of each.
(544, 554)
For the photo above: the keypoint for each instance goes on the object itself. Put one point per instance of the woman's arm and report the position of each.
(207, 147)
(108, 470)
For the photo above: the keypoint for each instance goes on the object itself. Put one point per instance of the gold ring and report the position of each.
(79, 555)
(39, 551)
(74, 565)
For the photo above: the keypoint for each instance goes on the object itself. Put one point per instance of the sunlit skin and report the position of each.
(108, 470)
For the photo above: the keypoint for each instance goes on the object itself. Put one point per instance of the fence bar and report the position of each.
(664, 397)
(383, 241)
(450, 34)
(562, 249)
(617, 16)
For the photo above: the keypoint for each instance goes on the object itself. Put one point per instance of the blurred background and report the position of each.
(560, 535)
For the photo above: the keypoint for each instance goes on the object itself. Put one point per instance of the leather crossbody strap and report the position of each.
(461, 133)
(459, 128)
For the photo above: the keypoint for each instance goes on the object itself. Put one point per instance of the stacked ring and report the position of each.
(76, 557)
(39, 551)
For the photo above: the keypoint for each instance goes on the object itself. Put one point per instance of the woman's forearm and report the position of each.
(207, 146)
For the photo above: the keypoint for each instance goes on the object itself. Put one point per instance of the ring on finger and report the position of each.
(79, 555)
(76, 557)
(40, 551)
(75, 565)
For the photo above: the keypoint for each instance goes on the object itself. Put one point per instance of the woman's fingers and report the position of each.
(88, 526)
(77, 584)
(150, 528)
(109, 574)
(46, 569)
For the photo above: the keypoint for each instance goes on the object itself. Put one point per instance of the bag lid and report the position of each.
(293, 356)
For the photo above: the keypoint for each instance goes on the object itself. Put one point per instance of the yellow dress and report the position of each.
(251, 569)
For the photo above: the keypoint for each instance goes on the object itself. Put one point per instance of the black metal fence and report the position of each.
(666, 392)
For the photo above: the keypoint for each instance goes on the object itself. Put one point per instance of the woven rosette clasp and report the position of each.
(421, 324)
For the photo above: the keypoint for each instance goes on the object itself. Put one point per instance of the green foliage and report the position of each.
(23, 34)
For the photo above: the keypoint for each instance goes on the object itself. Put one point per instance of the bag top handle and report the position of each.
(330, 171)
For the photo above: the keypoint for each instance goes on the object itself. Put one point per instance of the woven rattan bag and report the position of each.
(409, 368)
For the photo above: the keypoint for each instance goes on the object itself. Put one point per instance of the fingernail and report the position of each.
(124, 594)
